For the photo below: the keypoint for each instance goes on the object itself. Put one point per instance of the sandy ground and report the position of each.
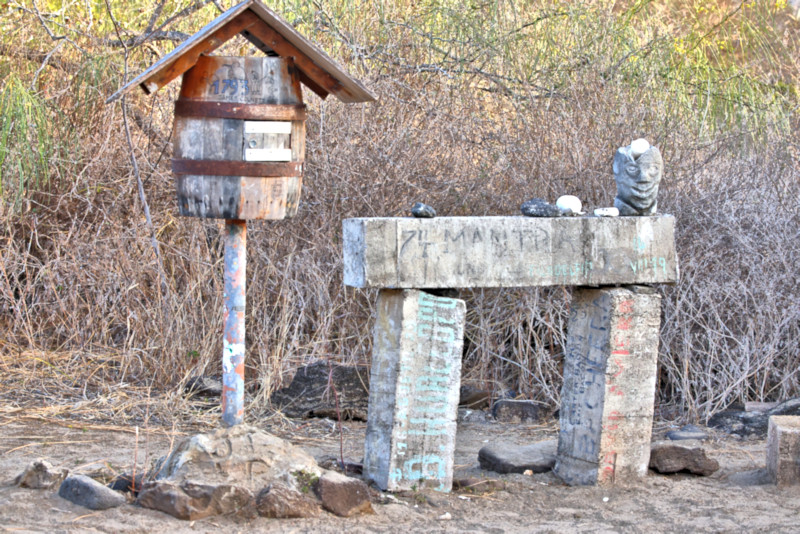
(735, 499)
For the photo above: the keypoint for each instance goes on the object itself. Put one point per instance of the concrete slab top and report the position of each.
(461, 252)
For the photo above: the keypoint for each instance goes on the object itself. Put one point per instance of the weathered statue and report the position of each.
(637, 170)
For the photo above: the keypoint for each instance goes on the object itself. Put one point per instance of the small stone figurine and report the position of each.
(637, 170)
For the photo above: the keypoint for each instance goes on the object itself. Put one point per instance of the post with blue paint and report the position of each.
(233, 342)
(414, 390)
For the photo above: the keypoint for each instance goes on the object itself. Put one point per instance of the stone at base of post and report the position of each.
(783, 450)
(414, 390)
(609, 385)
(233, 342)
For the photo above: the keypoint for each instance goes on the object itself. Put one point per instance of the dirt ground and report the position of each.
(734, 499)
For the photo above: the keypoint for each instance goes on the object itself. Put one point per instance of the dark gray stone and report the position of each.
(127, 483)
(538, 457)
(40, 475)
(423, 211)
(687, 432)
(310, 395)
(343, 496)
(538, 207)
(204, 386)
(743, 423)
(85, 491)
(474, 398)
(280, 501)
(516, 411)
(667, 457)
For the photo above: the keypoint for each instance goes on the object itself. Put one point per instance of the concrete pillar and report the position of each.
(414, 390)
(783, 450)
(607, 398)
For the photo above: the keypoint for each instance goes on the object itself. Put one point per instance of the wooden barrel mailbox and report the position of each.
(239, 141)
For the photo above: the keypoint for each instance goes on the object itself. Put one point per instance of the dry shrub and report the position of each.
(78, 274)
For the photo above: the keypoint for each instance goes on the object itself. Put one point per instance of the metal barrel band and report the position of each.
(229, 110)
(207, 167)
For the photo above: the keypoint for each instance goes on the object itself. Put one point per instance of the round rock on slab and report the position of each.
(423, 211)
(538, 207)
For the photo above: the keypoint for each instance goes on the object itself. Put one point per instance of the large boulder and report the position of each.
(222, 472)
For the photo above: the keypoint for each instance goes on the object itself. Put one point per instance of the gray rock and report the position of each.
(687, 432)
(516, 411)
(538, 457)
(743, 423)
(204, 386)
(40, 475)
(192, 501)
(637, 176)
(127, 483)
(423, 211)
(87, 492)
(309, 394)
(474, 398)
(667, 457)
(344, 496)
(538, 207)
(280, 501)
(240, 453)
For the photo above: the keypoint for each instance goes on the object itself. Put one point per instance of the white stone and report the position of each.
(639, 147)
(569, 205)
(606, 212)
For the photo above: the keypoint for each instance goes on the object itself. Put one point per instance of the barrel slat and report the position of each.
(202, 143)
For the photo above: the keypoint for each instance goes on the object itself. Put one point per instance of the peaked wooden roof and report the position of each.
(270, 34)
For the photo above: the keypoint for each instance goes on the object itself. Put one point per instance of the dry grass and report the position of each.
(88, 331)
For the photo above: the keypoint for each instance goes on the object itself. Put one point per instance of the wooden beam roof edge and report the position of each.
(321, 73)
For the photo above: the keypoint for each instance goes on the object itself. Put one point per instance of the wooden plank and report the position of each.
(268, 127)
(279, 44)
(350, 89)
(236, 168)
(235, 110)
(186, 47)
(187, 60)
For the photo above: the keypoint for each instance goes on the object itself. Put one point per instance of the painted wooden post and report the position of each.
(233, 344)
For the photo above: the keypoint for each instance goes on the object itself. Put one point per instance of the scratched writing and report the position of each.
(656, 264)
(425, 405)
